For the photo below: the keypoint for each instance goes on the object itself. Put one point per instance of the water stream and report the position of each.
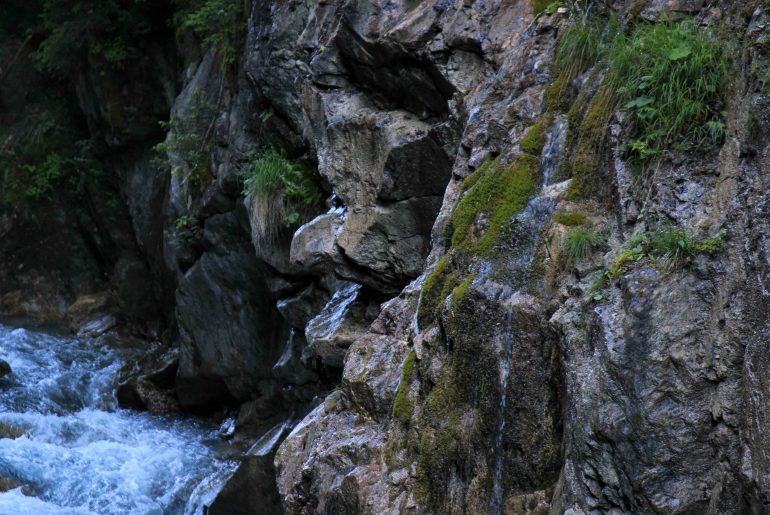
(81, 454)
(529, 224)
(505, 372)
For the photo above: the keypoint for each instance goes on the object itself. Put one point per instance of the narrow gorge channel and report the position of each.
(384, 257)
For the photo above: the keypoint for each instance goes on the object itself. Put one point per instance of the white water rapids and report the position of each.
(80, 453)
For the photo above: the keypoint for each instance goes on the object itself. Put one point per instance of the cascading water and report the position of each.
(79, 453)
(530, 223)
(505, 372)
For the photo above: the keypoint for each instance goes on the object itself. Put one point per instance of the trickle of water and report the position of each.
(80, 453)
(333, 313)
(553, 150)
(505, 371)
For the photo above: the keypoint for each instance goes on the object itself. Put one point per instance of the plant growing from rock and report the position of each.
(671, 76)
(579, 244)
(219, 23)
(282, 191)
(670, 247)
(186, 150)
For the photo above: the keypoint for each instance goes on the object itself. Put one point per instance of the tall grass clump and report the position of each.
(672, 77)
(579, 244)
(579, 48)
(282, 192)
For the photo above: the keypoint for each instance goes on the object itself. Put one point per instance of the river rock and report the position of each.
(5, 368)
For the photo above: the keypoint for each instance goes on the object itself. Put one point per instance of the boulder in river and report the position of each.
(5, 368)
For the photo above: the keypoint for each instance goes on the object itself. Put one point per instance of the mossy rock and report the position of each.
(403, 407)
(498, 193)
(435, 289)
(534, 140)
(571, 219)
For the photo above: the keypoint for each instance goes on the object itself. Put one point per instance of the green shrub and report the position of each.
(672, 77)
(219, 23)
(108, 32)
(282, 192)
(187, 148)
(580, 243)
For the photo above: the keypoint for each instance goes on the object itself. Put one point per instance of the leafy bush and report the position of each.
(282, 191)
(219, 23)
(672, 77)
(109, 31)
(670, 246)
(186, 150)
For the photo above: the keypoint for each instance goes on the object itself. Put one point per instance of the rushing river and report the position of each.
(80, 453)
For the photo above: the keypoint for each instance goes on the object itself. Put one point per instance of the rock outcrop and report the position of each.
(502, 307)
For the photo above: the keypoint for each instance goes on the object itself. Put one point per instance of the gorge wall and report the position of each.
(510, 301)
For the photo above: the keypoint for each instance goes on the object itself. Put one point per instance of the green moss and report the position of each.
(571, 219)
(588, 178)
(499, 193)
(403, 407)
(460, 293)
(534, 140)
(710, 245)
(579, 48)
(432, 290)
(439, 446)
(558, 95)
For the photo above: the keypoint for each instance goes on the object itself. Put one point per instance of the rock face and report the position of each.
(432, 339)
(514, 391)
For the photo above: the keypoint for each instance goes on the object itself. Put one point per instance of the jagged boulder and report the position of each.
(230, 330)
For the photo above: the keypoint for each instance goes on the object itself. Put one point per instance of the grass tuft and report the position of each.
(282, 192)
(580, 243)
(671, 76)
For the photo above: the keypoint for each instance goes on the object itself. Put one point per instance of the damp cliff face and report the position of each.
(522, 245)
(518, 374)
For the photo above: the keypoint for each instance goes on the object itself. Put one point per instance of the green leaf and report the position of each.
(638, 102)
(679, 52)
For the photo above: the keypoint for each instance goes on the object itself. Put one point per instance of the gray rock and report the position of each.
(230, 332)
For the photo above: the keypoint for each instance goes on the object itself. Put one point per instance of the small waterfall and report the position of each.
(505, 371)
(324, 325)
(531, 221)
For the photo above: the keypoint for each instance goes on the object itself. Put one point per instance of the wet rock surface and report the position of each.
(465, 380)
